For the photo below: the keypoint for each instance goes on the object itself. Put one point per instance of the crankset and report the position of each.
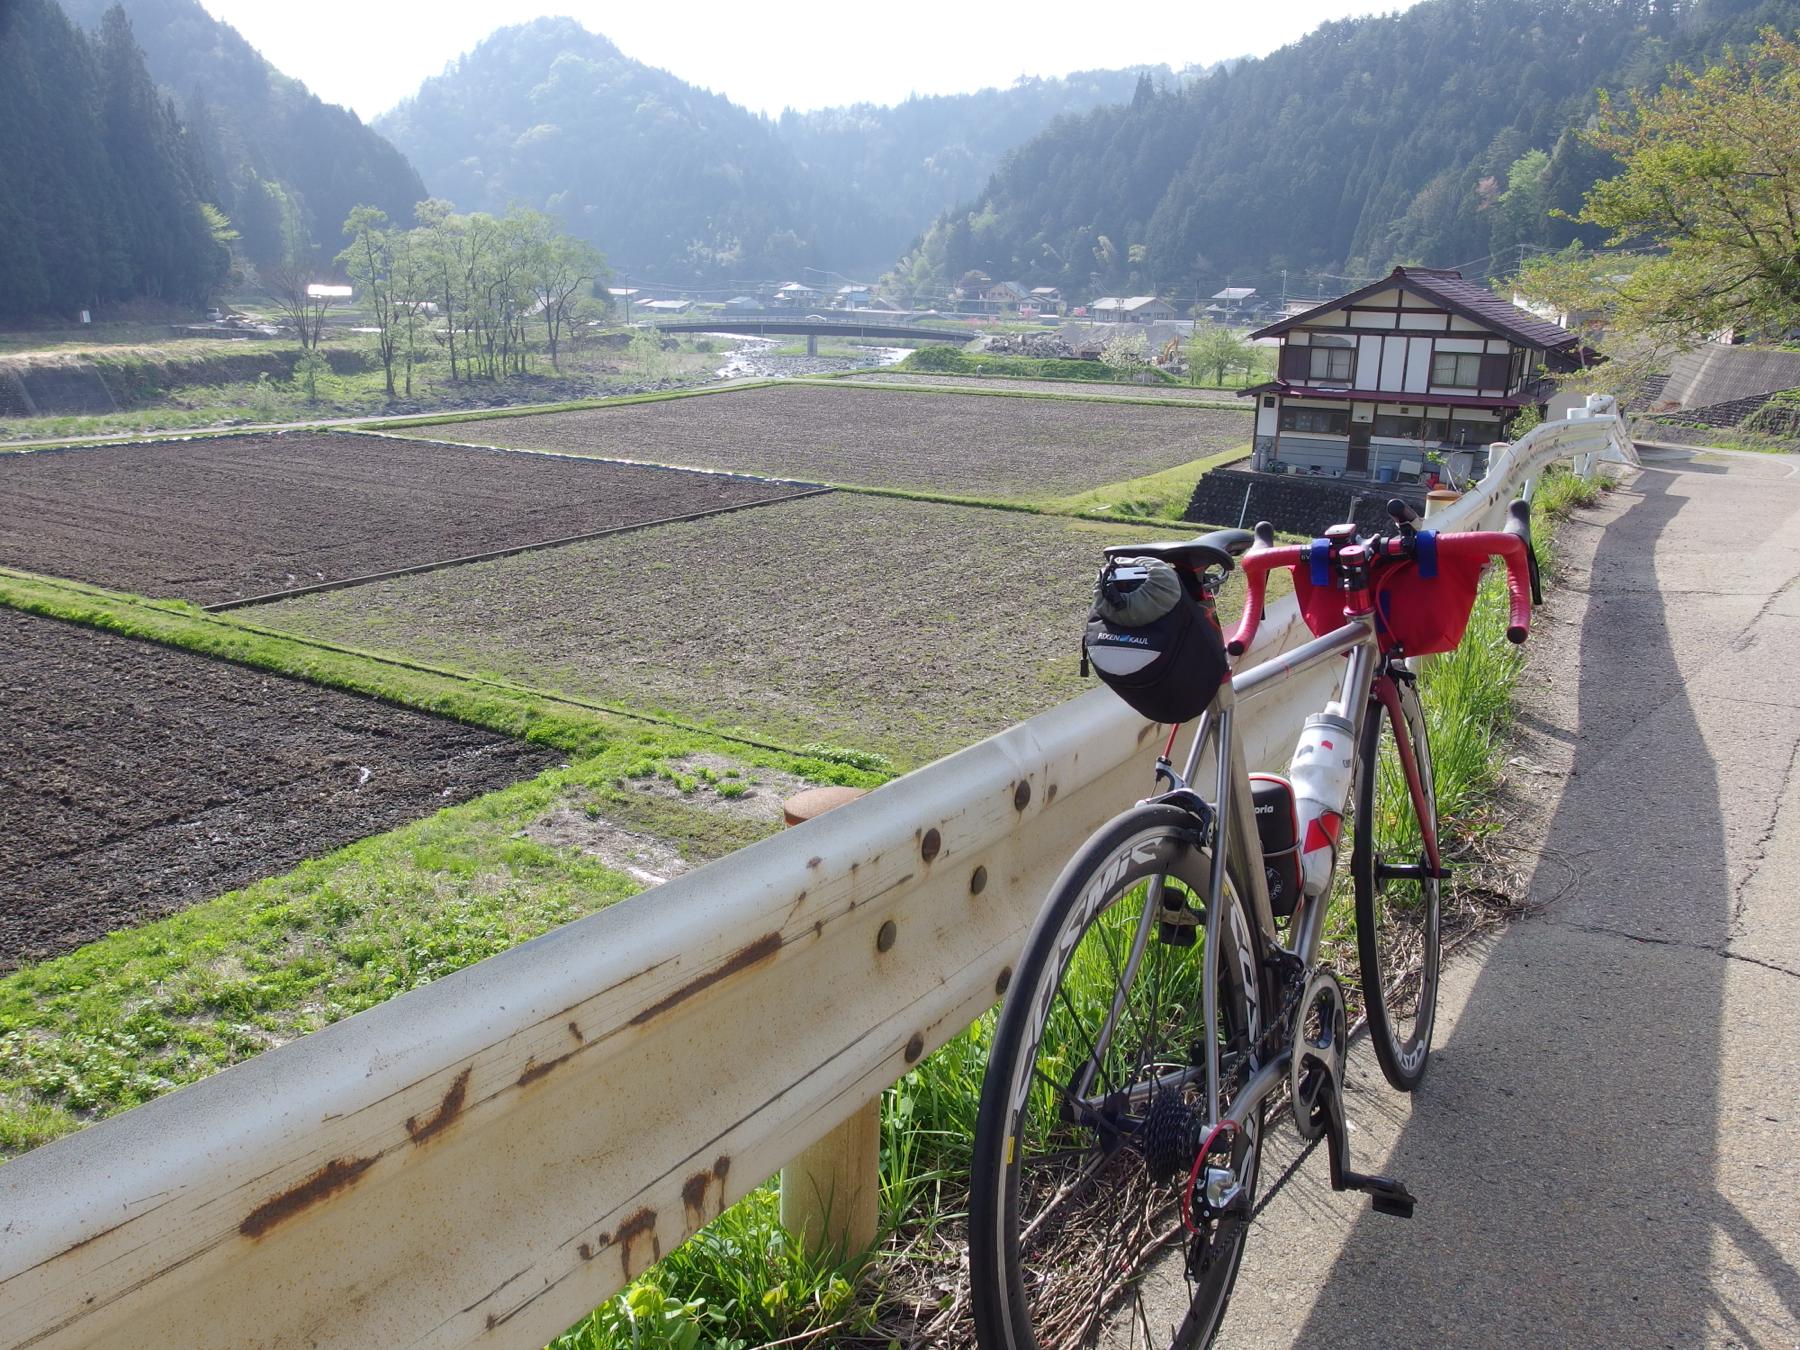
(1316, 1082)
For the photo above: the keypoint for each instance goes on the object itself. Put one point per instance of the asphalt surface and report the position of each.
(1605, 1147)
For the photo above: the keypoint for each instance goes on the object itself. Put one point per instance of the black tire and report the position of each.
(1397, 918)
(1035, 1205)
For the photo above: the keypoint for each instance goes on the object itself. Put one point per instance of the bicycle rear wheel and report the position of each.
(1397, 900)
(1087, 1130)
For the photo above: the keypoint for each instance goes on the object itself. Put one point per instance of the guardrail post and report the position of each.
(831, 1192)
(1438, 498)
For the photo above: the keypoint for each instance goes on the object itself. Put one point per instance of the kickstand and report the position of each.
(1386, 1195)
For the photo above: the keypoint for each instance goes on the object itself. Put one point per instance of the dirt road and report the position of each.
(1605, 1149)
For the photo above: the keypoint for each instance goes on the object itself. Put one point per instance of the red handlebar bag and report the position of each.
(1422, 606)
(1421, 615)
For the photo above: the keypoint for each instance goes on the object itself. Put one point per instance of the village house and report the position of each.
(794, 295)
(1045, 300)
(1417, 367)
(1004, 297)
(1130, 309)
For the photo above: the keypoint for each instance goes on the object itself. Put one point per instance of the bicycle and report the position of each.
(1171, 986)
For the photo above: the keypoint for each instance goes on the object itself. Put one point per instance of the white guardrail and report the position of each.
(484, 1160)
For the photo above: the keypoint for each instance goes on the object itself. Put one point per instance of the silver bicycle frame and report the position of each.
(1236, 833)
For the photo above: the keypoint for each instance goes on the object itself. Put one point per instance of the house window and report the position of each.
(1456, 370)
(1320, 421)
(1331, 362)
(1460, 431)
(1394, 426)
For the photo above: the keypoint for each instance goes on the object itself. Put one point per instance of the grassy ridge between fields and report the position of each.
(140, 1012)
(744, 1282)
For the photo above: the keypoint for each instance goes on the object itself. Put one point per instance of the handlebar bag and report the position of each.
(1422, 606)
(1421, 615)
(1152, 641)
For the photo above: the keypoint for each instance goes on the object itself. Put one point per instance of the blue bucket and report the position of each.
(1385, 474)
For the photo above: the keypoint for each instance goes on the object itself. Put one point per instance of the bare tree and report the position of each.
(294, 291)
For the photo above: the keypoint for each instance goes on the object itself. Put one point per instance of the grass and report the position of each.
(1156, 496)
(143, 1011)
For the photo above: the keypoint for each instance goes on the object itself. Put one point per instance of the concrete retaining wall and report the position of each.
(1296, 505)
(1714, 374)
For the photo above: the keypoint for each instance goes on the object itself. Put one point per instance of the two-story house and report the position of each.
(1421, 361)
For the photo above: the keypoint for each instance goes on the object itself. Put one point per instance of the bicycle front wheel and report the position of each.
(1397, 898)
(1093, 1105)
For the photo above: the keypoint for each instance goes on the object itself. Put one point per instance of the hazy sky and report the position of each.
(369, 54)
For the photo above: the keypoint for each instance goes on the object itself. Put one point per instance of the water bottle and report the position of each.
(1323, 765)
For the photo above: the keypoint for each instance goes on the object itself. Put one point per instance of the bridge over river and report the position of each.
(814, 327)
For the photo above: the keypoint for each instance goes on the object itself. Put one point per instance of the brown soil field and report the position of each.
(907, 628)
(235, 516)
(1023, 449)
(1012, 384)
(139, 780)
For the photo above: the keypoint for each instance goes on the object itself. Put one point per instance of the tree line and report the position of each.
(1444, 134)
(485, 288)
(104, 194)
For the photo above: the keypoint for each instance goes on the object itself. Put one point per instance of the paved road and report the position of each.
(1607, 1149)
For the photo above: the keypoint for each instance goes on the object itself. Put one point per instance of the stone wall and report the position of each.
(1296, 505)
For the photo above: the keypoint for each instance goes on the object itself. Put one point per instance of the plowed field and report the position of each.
(215, 520)
(1023, 449)
(908, 628)
(1013, 384)
(138, 779)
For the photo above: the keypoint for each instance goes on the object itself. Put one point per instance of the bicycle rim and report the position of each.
(1074, 1239)
(1397, 915)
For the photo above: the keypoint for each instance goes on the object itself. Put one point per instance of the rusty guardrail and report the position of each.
(482, 1161)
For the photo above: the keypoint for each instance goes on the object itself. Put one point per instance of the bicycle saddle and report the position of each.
(1216, 549)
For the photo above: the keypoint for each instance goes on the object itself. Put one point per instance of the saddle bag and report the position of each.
(1152, 642)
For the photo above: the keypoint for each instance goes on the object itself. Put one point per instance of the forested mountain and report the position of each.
(905, 164)
(660, 175)
(679, 184)
(281, 160)
(1439, 135)
(103, 194)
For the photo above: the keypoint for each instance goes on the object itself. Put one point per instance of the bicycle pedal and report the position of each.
(1387, 1196)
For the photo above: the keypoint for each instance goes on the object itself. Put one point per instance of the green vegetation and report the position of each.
(103, 194)
(954, 361)
(285, 167)
(1416, 123)
(145, 1010)
(1156, 496)
(1711, 178)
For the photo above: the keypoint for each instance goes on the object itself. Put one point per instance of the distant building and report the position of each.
(1130, 309)
(665, 308)
(1228, 305)
(1046, 300)
(320, 290)
(743, 304)
(1005, 297)
(1420, 362)
(796, 295)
